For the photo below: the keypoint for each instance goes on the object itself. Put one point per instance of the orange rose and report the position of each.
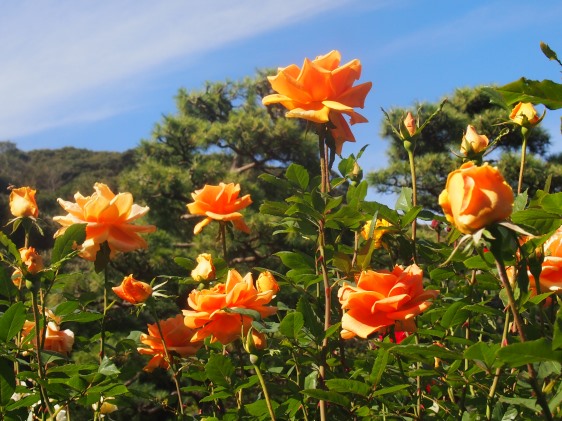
(22, 202)
(322, 91)
(525, 114)
(31, 259)
(211, 318)
(266, 282)
(177, 338)
(410, 124)
(109, 218)
(472, 142)
(133, 291)
(476, 196)
(551, 275)
(219, 203)
(382, 299)
(56, 340)
(378, 232)
(205, 270)
(255, 341)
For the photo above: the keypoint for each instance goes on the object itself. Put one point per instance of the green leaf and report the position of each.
(557, 336)
(185, 262)
(549, 52)
(311, 320)
(298, 175)
(410, 215)
(454, 315)
(7, 381)
(528, 352)
(348, 386)
(328, 396)
(108, 368)
(486, 353)
(10, 246)
(391, 389)
(379, 366)
(66, 243)
(404, 201)
(540, 220)
(296, 260)
(552, 203)
(292, 324)
(82, 317)
(12, 321)
(254, 314)
(544, 92)
(520, 201)
(259, 408)
(220, 370)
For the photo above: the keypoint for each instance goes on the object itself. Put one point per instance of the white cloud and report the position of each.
(62, 59)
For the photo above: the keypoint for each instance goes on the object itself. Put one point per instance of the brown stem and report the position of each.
(541, 400)
(38, 343)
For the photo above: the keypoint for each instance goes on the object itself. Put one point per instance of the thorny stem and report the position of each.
(541, 400)
(497, 373)
(525, 132)
(414, 199)
(222, 234)
(102, 330)
(324, 188)
(169, 361)
(38, 343)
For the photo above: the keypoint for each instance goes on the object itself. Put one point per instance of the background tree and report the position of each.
(221, 133)
(442, 137)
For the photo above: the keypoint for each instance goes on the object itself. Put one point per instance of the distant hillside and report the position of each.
(57, 173)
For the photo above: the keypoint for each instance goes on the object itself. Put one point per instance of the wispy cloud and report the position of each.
(477, 24)
(60, 59)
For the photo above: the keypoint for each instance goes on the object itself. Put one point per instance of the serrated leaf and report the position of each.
(544, 92)
(348, 386)
(292, 324)
(311, 320)
(82, 317)
(529, 352)
(326, 395)
(557, 336)
(454, 315)
(379, 366)
(254, 314)
(391, 389)
(538, 219)
(12, 321)
(220, 370)
(298, 175)
(108, 368)
(185, 262)
(7, 381)
(404, 201)
(66, 244)
(10, 246)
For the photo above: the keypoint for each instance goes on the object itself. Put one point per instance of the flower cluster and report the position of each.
(213, 311)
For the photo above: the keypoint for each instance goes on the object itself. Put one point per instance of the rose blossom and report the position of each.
(382, 299)
(109, 218)
(22, 202)
(322, 91)
(177, 338)
(133, 291)
(476, 196)
(209, 313)
(219, 203)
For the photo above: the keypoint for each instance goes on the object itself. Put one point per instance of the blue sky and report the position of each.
(99, 75)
